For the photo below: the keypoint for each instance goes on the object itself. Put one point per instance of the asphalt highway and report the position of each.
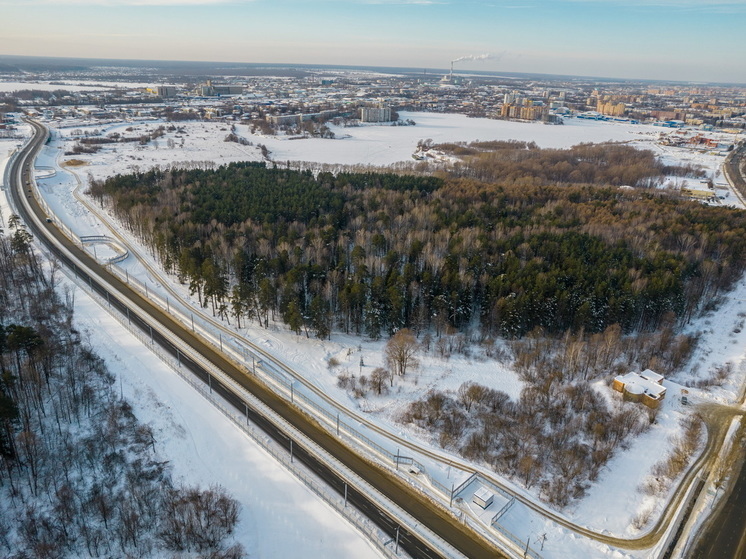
(726, 536)
(132, 305)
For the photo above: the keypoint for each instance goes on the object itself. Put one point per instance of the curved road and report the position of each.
(732, 170)
(140, 311)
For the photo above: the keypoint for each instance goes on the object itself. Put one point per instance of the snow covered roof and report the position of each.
(652, 376)
(483, 494)
(635, 383)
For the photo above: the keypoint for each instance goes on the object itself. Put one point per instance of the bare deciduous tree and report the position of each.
(400, 352)
(378, 379)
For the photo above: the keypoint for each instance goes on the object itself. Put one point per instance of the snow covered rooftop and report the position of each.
(652, 376)
(646, 382)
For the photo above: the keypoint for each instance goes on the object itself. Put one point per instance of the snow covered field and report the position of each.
(9, 87)
(384, 144)
(612, 501)
(375, 145)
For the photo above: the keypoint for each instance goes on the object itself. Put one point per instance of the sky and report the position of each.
(684, 40)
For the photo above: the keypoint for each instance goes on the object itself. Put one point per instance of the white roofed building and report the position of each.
(645, 387)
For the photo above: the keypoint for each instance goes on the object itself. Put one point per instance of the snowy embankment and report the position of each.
(279, 514)
(612, 501)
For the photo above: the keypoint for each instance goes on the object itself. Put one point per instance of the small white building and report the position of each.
(483, 497)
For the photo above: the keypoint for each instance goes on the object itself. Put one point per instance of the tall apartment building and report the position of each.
(523, 112)
(610, 108)
(166, 91)
(209, 89)
(381, 113)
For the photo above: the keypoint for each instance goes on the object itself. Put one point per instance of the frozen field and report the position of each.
(384, 144)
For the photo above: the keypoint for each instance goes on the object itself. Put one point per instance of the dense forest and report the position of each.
(518, 245)
(79, 475)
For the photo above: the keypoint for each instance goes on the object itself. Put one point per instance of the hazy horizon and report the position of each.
(226, 68)
(664, 40)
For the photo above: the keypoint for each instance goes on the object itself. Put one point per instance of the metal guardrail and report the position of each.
(502, 511)
(105, 239)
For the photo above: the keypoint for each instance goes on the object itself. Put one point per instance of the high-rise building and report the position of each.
(380, 113)
(166, 91)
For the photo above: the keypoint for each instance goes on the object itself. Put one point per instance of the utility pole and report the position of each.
(543, 539)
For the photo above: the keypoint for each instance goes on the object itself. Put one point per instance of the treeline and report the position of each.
(601, 164)
(373, 253)
(79, 475)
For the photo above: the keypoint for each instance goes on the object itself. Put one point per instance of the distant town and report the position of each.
(302, 102)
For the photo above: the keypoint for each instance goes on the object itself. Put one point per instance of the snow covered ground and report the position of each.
(72, 85)
(9, 87)
(383, 144)
(612, 501)
(279, 516)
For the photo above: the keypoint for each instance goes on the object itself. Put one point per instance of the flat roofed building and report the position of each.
(483, 497)
(652, 376)
(644, 387)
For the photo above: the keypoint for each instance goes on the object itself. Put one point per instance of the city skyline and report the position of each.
(681, 40)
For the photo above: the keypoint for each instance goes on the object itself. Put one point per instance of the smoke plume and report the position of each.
(486, 56)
